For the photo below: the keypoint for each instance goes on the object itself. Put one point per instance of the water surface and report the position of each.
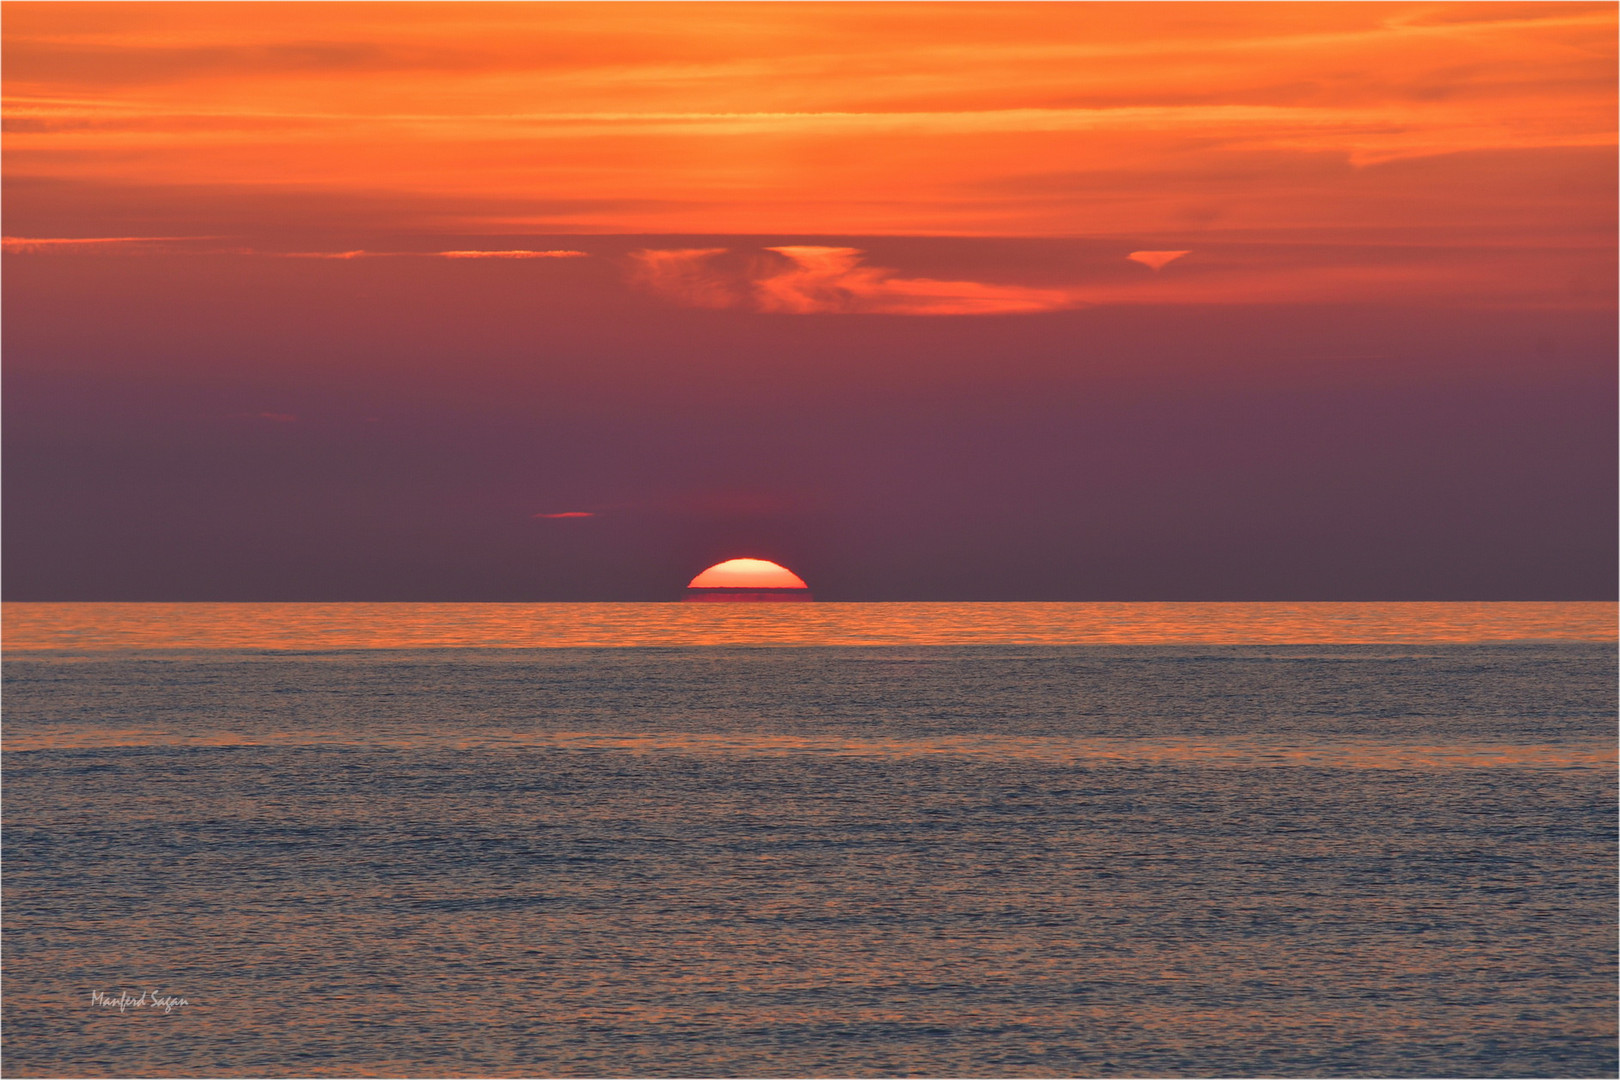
(1391, 855)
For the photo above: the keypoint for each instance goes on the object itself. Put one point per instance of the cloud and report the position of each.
(1156, 260)
(805, 280)
(566, 514)
(278, 417)
(687, 276)
(518, 254)
(35, 245)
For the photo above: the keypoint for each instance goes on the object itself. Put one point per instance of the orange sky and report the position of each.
(977, 119)
(922, 300)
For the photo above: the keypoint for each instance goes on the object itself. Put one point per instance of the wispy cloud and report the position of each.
(688, 276)
(566, 514)
(805, 280)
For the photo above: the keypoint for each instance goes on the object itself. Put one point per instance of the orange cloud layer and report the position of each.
(1006, 118)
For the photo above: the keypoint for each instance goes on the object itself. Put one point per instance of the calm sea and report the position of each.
(810, 839)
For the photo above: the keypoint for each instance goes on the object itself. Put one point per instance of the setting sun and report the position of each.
(747, 579)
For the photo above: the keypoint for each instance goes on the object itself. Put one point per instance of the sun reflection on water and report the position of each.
(94, 626)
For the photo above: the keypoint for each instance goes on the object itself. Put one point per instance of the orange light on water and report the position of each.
(93, 627)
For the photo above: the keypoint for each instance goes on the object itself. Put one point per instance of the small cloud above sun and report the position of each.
(566, 514)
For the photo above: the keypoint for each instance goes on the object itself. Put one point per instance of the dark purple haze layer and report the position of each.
(235, 427)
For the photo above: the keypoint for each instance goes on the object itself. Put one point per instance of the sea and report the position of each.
(762, 840)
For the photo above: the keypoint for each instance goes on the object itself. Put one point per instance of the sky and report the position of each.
(924, 301)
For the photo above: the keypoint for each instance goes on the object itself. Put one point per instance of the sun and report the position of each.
(747, 579)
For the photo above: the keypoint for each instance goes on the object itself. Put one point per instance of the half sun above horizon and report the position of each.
(748, 579)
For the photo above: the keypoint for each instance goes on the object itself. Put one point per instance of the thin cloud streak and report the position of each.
(515, 254)
(29, 245)
(362, 254)
(34, 245)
